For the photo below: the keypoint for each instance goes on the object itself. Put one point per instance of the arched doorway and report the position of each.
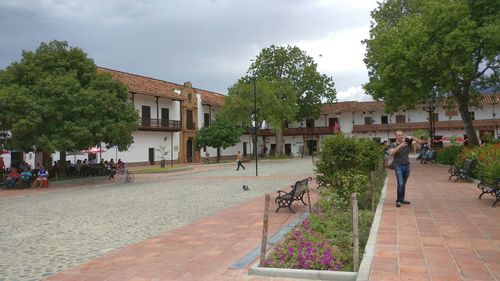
(189, 150)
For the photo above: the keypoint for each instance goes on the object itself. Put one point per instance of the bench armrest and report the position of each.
(281, 191)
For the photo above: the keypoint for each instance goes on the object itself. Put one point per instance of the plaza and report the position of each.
(50, 230)
(195, 225)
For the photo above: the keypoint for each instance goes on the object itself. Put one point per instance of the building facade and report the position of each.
(171, 114)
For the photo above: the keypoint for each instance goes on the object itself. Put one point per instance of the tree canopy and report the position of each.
(54, 99)
(422, 49)
(221, 133)
(288, 88)
(294, 66)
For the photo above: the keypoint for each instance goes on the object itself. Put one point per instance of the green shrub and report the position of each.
(338, 153)
(487, 161)
(371, 155)
(448, 154)
(344, 165)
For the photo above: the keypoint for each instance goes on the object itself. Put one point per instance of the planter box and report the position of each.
(364, 269)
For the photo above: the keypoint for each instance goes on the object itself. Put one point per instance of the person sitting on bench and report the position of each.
(13, 176)
(43, 176)
(26, 175)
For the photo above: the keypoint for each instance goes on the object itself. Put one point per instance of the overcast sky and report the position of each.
(207, 42)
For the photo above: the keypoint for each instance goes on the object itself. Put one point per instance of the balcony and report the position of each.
(439, 125)
(159, 125)
(299, 131)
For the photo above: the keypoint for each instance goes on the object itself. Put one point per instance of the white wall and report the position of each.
(173, 106)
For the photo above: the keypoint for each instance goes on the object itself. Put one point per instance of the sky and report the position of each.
(207, 42)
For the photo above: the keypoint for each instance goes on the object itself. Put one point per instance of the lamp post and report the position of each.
(255, 123)
(429, 107)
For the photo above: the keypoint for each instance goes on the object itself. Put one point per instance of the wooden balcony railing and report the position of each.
(299, 131)
(159, 125)
(439, 125)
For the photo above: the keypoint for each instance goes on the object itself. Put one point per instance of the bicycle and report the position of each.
(122, 177)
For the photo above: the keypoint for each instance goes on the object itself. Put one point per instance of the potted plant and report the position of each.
(162, 151)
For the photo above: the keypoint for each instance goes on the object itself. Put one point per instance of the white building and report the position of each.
(171, 114)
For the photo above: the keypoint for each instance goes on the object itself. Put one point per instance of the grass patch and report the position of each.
(154, 169)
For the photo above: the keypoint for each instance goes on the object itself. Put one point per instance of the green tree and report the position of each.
(276, 103)
(292, 87)
(54, 100)
(221, 133)
(420, 49)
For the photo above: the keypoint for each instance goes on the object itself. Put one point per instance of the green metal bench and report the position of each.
(285, 199)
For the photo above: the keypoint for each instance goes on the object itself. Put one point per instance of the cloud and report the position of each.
(353, 93)
(207, 42)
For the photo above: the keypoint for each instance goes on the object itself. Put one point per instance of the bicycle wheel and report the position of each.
(120, 178)
(130, 177)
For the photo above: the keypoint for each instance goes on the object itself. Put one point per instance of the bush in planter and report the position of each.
(488, 163)
(344, 165)
(487, 157)
(448, 154)
(325, 241)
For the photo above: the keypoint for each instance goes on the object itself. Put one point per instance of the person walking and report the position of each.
(239, 158)
(400, 150)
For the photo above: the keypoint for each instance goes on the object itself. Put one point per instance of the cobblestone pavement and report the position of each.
(42, 233)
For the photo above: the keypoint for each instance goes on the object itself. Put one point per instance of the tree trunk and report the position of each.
(279, 142)
(463, 107)
(62, 164)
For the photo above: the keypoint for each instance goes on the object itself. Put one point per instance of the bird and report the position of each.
(245, 187)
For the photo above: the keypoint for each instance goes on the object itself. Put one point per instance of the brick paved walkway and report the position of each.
(445, 234)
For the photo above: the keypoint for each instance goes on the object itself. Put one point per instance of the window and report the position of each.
(400, 118)
(368, 120)
(189, 117)
(332, 121)
(146, 115)
(384, 119)
(206, 119)
(310, 123)
(164, 117)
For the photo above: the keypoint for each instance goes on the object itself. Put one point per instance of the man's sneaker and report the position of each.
(398, 204)
(406, 202)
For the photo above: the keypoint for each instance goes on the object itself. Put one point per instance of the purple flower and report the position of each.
(290, 250)
(327, 258)
(282, 257)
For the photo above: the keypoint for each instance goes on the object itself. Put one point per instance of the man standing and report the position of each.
(401, 153)
(239, 158)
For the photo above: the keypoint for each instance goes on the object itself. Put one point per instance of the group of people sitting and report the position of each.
(112, 167)
(40, 174)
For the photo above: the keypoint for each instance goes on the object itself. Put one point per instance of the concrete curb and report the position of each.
(364, 270)
(303, 274)
(366, 262)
